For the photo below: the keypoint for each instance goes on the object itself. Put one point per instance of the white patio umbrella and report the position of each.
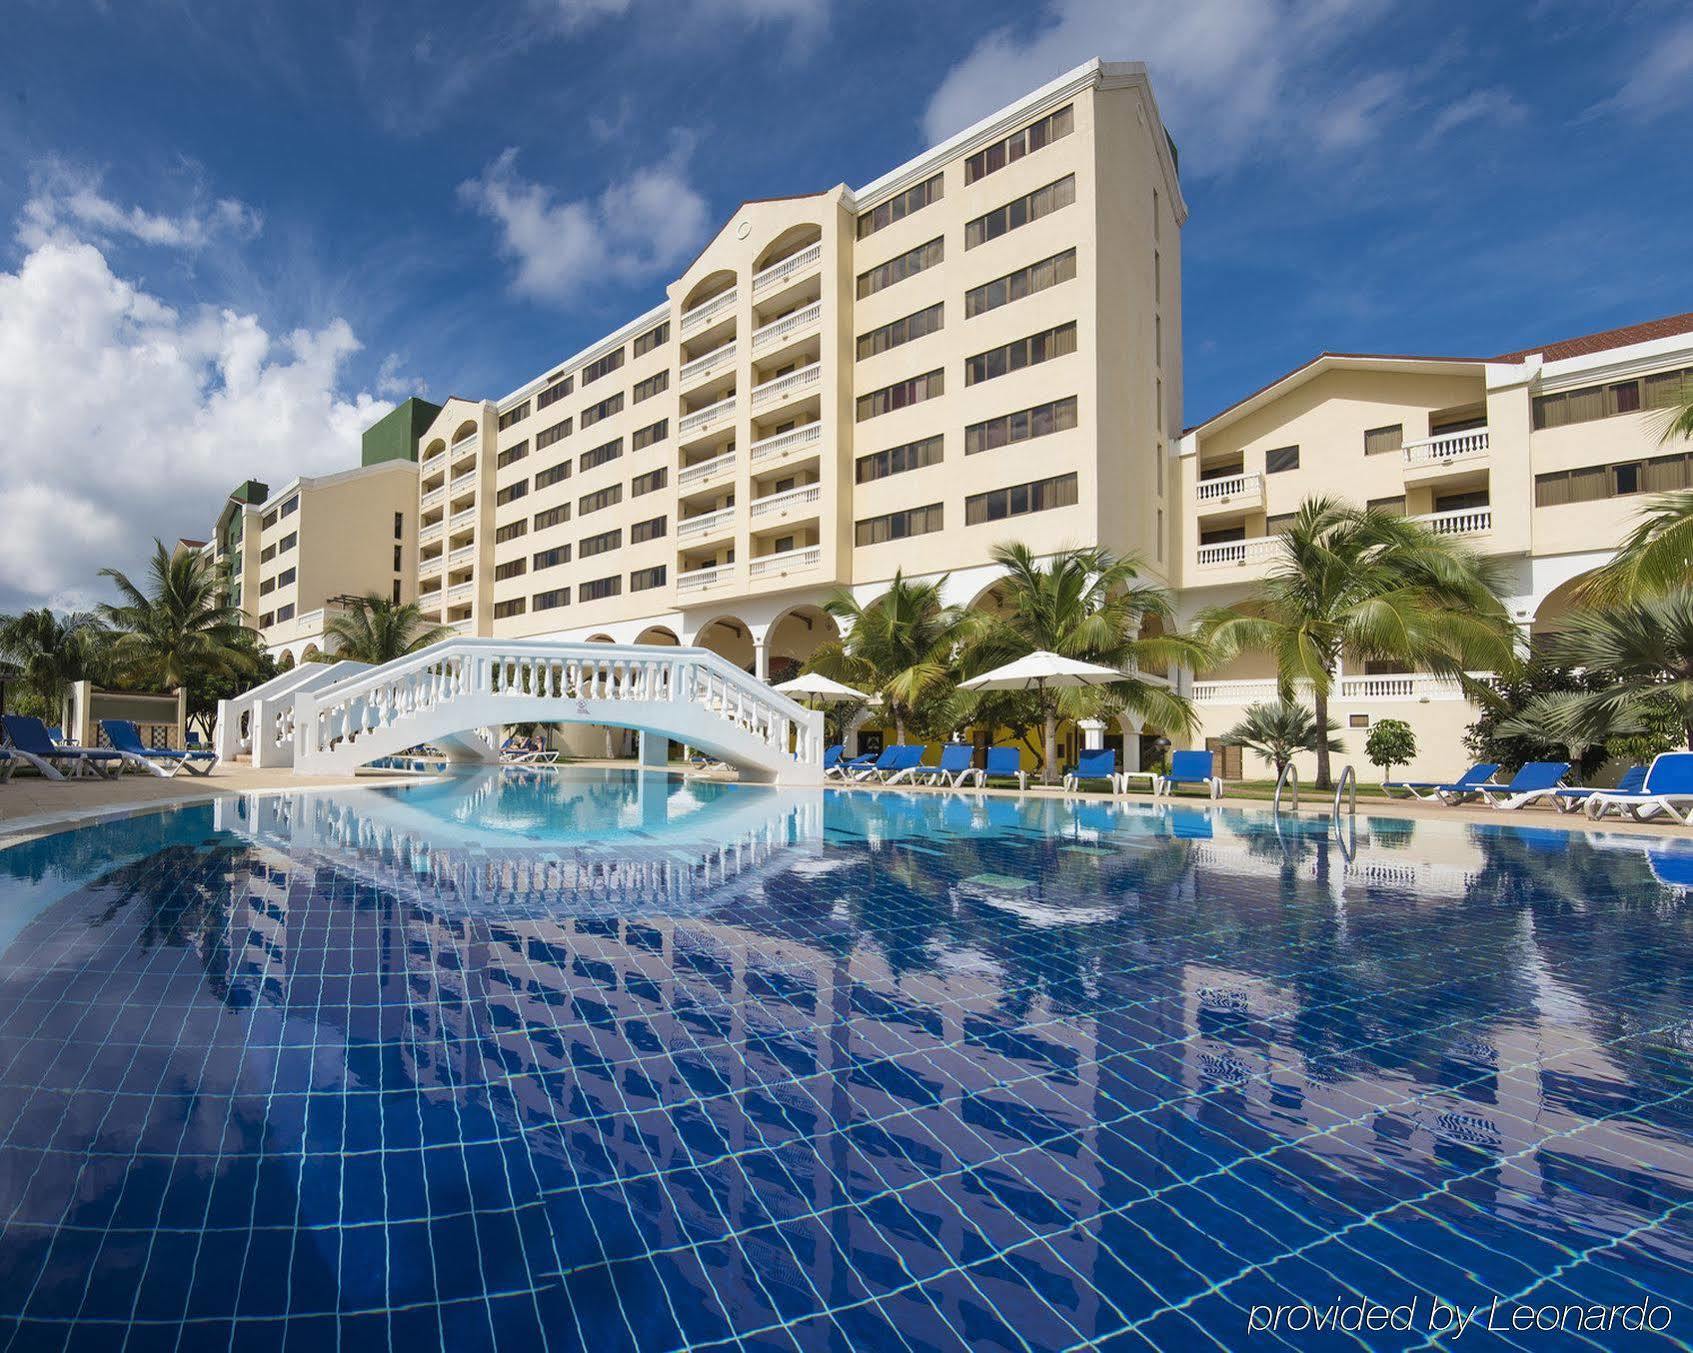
(1036, 672)
(819, 687)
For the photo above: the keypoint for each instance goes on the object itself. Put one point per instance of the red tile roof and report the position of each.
(1588, 344)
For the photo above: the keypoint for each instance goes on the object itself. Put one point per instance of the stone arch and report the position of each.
(794, 635)
(435, 447)
(312, 653)
(658, 634)
(466, 430)
(788, 243)
(1556, 605)
(285, 663)
(599, 639)
(711, 285)
(729, 637)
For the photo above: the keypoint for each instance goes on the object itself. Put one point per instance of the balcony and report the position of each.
(707, 523)
(1469, 521)
(467, 446)
(697, 580)
(464, 483)
(711, 413)
(1254, 551)
(465, 626)
(433, 497)
(463, 557)
(791, 500)
(788, 326)
(785, 270)
(789, 561)
(782, 443)
(434, 454)
(431, 532)
(718, 359)
(1434, 456)
(1235, 491)
(461, 593)
(715, 308)
(1418, 686)
(461, 521)
(785, 387)
(701, 471)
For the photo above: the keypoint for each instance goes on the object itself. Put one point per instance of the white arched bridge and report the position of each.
(446, 695)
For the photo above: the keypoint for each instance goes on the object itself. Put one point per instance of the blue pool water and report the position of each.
(568, 1060)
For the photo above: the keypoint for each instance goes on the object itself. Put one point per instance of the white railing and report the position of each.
(710, 361)
(766, 334)
(808, 557)
(465, 554)
(1253, 551)
(468, 444)
(697, 580)
(237, 719)
(446, 692)
(705, 469)
(790, 498)
(461, 592)
(464, 481)
(1464, 522)
(689, 527)
(433, 454)
(1446, 447)
(459, 520)
(1388, 686)
(791, 266)
(710, 310)
(465, 626)
(766, 448)
(1235, 486)
(433, 531)
(434, 496)
(709, 414)
(792, 383)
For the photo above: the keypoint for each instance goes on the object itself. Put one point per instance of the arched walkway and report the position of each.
(793, 637)
(787, 244)
(660, 635)
(731, 638)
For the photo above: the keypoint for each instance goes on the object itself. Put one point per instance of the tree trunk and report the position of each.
(899, 725)
(1320, 708)
(1049, 760)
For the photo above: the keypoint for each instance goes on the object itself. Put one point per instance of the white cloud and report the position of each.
(806, 16)
(636, 229)
(1661, 78)
(67, 201)
(1493, 106)
(130, 419)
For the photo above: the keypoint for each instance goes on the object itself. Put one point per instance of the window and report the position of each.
(267, 620)
(909, 264)
(1657, 391)
(900, 331)
(284, 613)
(899, 459)
(899, 206)
(650, 482)
(291, 506)
(606, 540)
(601, 366)
(900, 395)
(1158, 535)
(288, 542)
(1020, 211)
(512, 568)
(651, 529)
(554, 392)
(1379, 440)
(547, 601)
(516, 414)
(1059, 122)
(512, 492)
(601, 588)
(267, 554)
(399, 558)
(1024, 425)
(1279, 522)
(1462, 502)
(399, 525)
(913, 521)
(512, 530)
(269, 520)
(601, 455)
(652, 338)
(1357, 720)
(644, 579)
(511, 455)
(653, 432)
(593, 502)
(553, 516)
(505, 610)
(396, 592)
(266, 586)
(556, 433)
(1014, 286)
(286, 577)
(604, 409)
(1030, 351)
(1016, 501)
(559, 554)
(1280, 459)
(652, 385)
(553, 474)
(1392, 507)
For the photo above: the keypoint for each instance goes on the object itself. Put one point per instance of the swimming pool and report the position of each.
(575, 1059)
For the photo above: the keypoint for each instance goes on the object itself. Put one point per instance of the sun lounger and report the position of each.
(1196, 767)
(1430, 790)
(164, 762)
(901, 756)
(1535, 781)
(953, 766)
(1573, 798)
(30, 742)
(1003, 763)
(1099, 764)
(1667, 792)
(845, 767)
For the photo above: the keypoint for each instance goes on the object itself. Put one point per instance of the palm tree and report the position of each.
(1357, 584)
(900, 646)
(376, 630)
(1086, 604)
(1657, 555)
(1276, 731)
(48, 653)
(181, 630)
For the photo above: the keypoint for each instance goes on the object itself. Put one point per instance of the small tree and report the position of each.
(1276, 731)
(1390, 743)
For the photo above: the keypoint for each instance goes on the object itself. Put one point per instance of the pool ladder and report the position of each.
(1289, 780)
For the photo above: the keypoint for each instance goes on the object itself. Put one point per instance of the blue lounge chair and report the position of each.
(1573, 798)
(30, 742)
(1004, 763)
(1430, 790)
(1100, 764)
(1668, 790)
(164, 762)
(900, 756)
(953, 766)
(832, 757)
(1535, 781)
(847, 767)
(1197, 767)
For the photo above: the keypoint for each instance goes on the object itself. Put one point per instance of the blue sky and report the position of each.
(254, 225)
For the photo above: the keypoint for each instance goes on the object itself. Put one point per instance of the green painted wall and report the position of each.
(394, 436)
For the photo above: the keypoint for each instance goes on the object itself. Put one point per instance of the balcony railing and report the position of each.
(434, 496)
(705, 469)
(1234, 486)
(1464, 522)
(1253, 551)
(791, 266)
(704, 365)
(702, 315)
(697, 580)
(780, 387)
(1449, 446)
(804, 496)
(781, 328)
(464, 482)
(465, 626)
(433, 531)
(462, 592)
(767, 448)
(459, 520)
(465, 554)
(468, 444)
(690, 527)
(434, 453)
(1388, 686)
(787, 561)
(709, 414)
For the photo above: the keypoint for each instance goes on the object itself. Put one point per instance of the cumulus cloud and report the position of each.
(67, 201)
(637, 228)
(130, 418)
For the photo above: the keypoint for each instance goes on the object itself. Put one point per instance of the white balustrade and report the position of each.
(784, 269)
(1463, 522)
(1448, 446)
(1418, 686)
(459, 520)
(461, 593)
(781, 387)
(430, 532)
(804, 496)
(434, 496)
(786, 562)
(781, 443)
(698, 579)
(709, 414)
(689, 528)
(702, 315)
(465, 554)
(468, 444)
(701, 470)
(786, 325)
(1254, 551)
(709, 362)
(1234, 486)
(464, 482)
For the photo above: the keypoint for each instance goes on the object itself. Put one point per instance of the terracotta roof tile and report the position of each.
(1588, 344)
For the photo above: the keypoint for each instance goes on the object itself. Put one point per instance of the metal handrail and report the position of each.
(1288, 771)
(1347, 784)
